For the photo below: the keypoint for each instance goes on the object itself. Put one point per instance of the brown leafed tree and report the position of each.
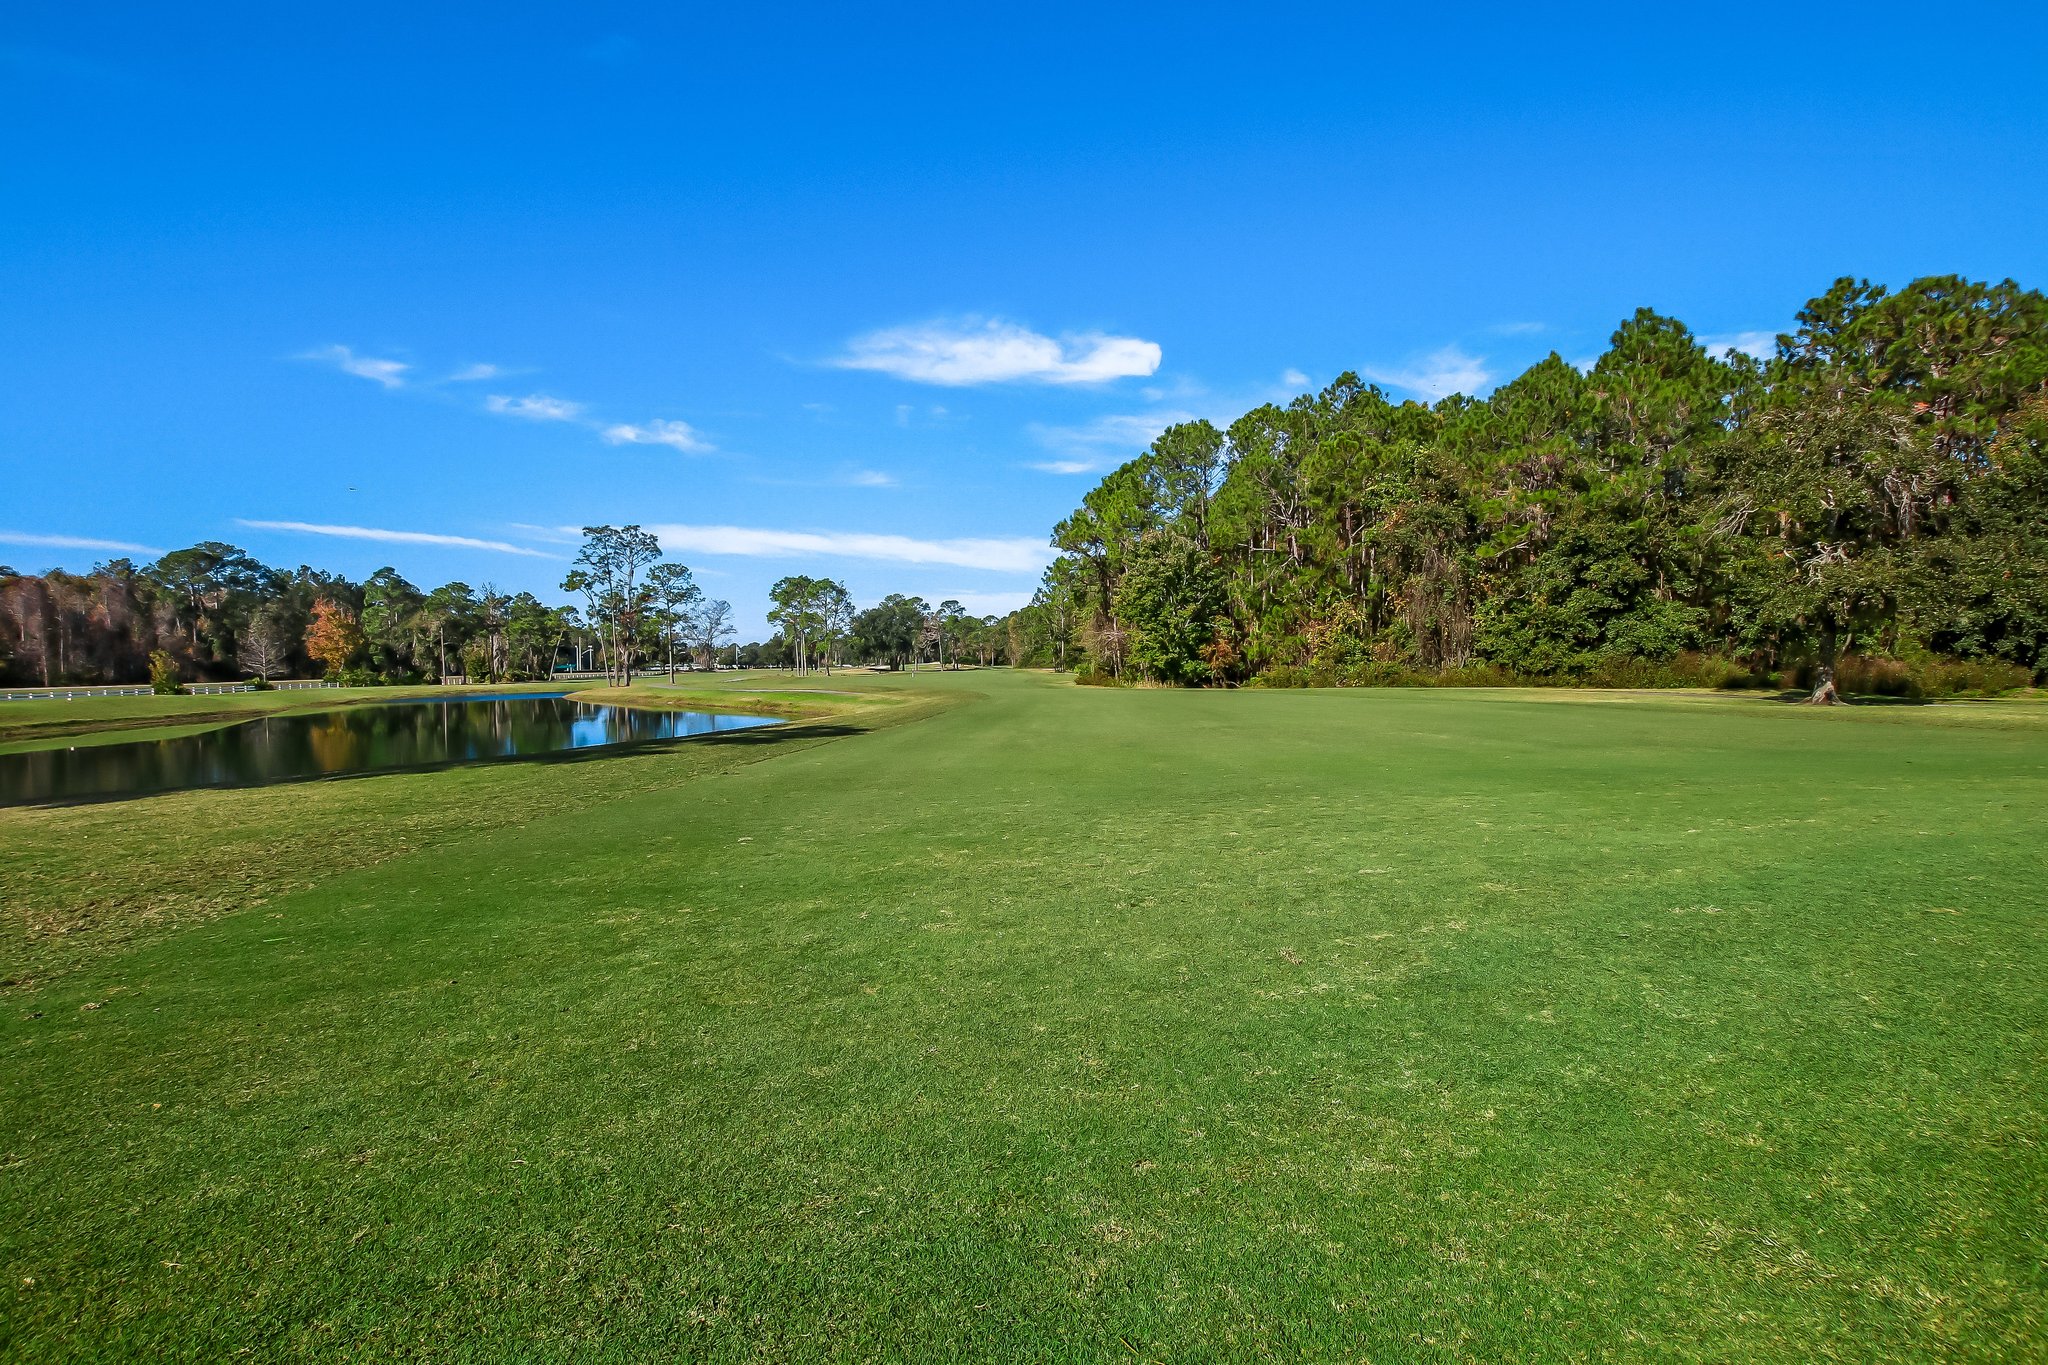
(335, 637)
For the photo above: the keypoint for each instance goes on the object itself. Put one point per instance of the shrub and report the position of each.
(1485, 675)
(1922, 676)
(259, 683)
(1378, 673)
(1711, 670)
(1293, 675)
(357, 676)
(1684, 669)
(163, 674)
(1095, 677)
(1875, 677)
(1969, 677)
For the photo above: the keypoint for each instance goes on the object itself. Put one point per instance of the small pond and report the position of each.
(379, 737)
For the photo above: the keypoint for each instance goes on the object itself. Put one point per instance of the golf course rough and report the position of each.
(1006, 1019)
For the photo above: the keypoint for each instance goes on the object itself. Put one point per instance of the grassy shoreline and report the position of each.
(33, 723)
(189, 857)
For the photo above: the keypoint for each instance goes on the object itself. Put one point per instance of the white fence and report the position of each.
(143, 690)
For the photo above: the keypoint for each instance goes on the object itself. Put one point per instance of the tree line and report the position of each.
(1871, 497)
(213, 612)
(819, 626)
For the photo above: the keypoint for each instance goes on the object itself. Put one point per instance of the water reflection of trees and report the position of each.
(358, 739)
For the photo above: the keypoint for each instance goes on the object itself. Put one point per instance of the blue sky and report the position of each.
(872, 291)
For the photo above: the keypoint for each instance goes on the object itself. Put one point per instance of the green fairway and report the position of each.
(1016, 1020)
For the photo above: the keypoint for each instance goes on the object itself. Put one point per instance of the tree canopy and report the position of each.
(1874, 486)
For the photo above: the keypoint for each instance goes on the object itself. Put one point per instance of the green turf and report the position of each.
(1059, 1023)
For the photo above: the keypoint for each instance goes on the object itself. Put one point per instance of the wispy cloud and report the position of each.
(1119, 434)
(1440, 375)
(846, 477)
(535, 407)
(532, 407)
(1762, 345)
(392, 537)
(1014, 555)
(1065, 466)
(43, 542)
(389, 373)
(552, 535)
(1516, 329)
(680, 435)
(984, 603)
(992, 351)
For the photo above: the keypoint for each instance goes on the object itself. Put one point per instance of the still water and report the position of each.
(358, 739)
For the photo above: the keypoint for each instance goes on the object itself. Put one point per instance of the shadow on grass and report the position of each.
(766, 738)
(1800, 697)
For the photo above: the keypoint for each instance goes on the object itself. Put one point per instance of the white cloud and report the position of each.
(658, 433)
(1436, 376)
(871, 478)
(1762, 345)
(983, 603)
(1115, 437)
(389, 373)
(392, 537)
(535, 407)
(552, 535)
(992, 351)
(1123, 434)
(1517, 329)
(1014, 555)
(469, 373)
(73, 543)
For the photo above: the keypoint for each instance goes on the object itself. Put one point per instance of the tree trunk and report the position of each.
(1824, 693)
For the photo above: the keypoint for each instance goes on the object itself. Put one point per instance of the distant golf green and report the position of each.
(999, 1018)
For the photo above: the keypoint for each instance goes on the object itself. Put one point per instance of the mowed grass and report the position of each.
(75, 882)
(1068, 1024)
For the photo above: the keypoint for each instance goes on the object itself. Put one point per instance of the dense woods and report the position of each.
(1872, 499)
